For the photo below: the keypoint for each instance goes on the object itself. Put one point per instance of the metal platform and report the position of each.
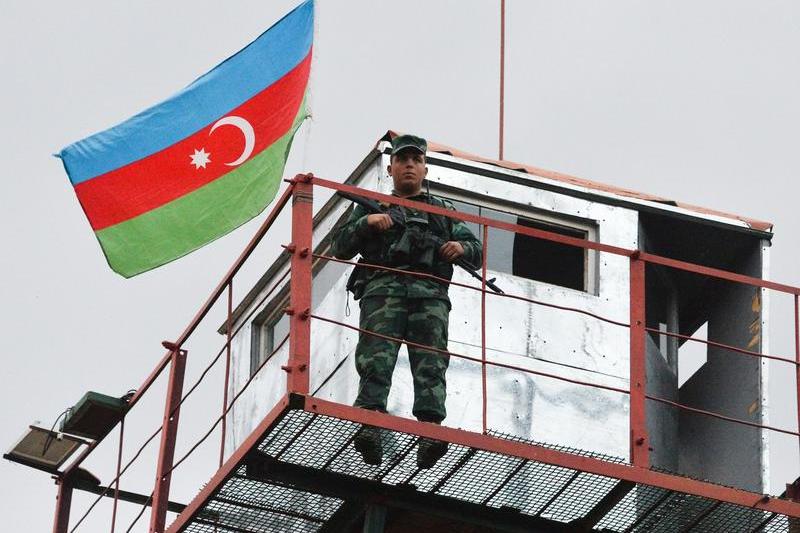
(301, 474)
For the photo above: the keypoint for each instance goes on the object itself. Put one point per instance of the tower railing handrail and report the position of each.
(551, 305)
(556, 237)
(300, 313)
(637, 324)
(466, 357)
(63, 479)
(472, 288)
(518, 368)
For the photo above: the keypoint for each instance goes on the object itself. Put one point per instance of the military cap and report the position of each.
(401, 142)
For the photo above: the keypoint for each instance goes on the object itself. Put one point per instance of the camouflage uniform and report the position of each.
(406, 307)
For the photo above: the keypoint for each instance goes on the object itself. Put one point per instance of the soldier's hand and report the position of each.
(451, 250)
(379, 222)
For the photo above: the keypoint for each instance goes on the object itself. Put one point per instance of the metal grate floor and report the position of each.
(274, 500)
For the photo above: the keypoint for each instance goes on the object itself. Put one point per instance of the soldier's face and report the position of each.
(407, 169)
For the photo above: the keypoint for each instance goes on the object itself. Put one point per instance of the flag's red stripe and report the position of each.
(161, 177)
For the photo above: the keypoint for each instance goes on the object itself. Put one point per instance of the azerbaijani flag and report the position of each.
(200, 164)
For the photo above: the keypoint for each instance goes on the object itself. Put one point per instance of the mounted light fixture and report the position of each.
(95, 415)
(43, 449)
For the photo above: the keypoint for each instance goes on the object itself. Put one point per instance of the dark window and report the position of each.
(552, 262)
(268, 336)
(529, 257)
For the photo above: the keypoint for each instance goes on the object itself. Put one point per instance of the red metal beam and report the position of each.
(639, 442)
(229, 467)
(63, 504)
(718, 273)
(797, 357)
(484, 259)
(300, 285)
(169, 432)
(119, 467)
(554, 457)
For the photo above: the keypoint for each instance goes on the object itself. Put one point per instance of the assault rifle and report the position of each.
(396, 214)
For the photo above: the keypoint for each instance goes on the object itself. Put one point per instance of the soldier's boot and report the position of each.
(429, 452)
(368, 443)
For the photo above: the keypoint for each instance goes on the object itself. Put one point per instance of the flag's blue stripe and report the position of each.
(231, 83)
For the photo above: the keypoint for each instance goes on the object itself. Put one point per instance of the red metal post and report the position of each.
(797, 356)
(169, 432)
(483, 324)
(793, 493)
(300, 286)
(228, 327)
(63, 504)
(119, 467)
(640, 455)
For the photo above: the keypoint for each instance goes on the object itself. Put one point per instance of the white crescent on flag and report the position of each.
(246, 129)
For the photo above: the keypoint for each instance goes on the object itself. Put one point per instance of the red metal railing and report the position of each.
(65, 478)
(637, 323)
(299, 358)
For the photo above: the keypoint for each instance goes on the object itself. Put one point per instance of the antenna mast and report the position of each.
(502, 73)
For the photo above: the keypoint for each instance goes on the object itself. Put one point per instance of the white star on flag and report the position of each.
(200, 158)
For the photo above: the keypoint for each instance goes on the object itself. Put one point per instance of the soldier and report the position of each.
(403, 306)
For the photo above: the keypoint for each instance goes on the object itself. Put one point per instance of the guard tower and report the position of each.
(565, 410)
(568, 319)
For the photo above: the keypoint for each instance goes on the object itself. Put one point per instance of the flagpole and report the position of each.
(307, 124)
(502, 74)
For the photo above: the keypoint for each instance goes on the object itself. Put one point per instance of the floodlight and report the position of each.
(94, 415)
(43, 449)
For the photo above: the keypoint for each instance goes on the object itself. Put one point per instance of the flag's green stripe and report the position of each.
(184, 225)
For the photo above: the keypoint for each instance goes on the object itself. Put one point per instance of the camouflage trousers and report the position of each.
(419, 320)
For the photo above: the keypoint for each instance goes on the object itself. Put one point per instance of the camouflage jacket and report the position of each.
(355, 237)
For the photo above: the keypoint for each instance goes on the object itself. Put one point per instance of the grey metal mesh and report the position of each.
(322, 443)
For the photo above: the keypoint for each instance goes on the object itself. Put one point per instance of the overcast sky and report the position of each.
(696, 101)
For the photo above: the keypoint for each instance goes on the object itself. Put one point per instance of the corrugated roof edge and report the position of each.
(758, 225)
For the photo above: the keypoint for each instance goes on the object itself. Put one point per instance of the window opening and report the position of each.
(532, 258)
(268, 335)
